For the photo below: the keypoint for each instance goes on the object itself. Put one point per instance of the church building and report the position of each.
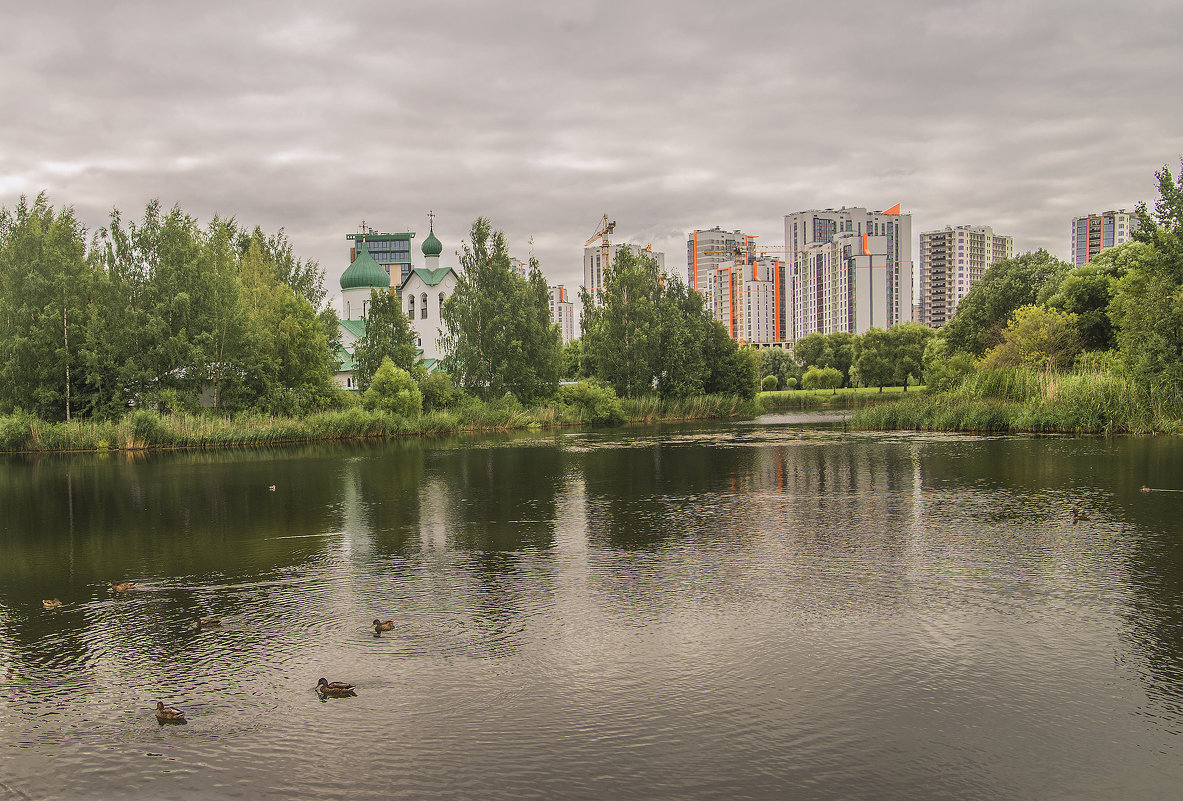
(421, 294)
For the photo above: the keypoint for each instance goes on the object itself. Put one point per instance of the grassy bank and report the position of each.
(144, 429)
(1030, 401)
(826, 398)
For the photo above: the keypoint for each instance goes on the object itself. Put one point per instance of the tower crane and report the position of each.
(605, 227)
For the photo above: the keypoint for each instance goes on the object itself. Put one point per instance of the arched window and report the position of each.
(423, 306)
(411, 307)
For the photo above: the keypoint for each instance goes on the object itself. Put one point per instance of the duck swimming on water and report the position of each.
(54, 604)
(167, 714)
(123, 586)
(1078, 516)
(383, 626)
(335, 689)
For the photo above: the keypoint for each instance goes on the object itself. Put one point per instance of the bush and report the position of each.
(394, 391)
(598, 402)
(16, 432)
(822, 378)
(769, 383)
(438, 391)
(790, 383)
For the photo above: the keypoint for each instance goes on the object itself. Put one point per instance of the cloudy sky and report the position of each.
(543, 116)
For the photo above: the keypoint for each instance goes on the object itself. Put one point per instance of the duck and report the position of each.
(167, 714)
(123, 586)
(381, 626)
(54, 604)
(207, 623)
(336, 689)
(1145, 488)
(1078, 516)
(271, 487)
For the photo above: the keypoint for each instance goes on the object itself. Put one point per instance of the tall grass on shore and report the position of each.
(143, 429)
(825, 398)
(1021, 400)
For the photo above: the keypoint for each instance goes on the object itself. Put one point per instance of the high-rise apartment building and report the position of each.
(847, 269)
(562, 312)
(391, 251)
(747, 298)
(594, 269)
(709, 251)
(1095, 232)
(952, 260)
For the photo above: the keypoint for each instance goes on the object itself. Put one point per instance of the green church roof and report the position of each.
(364, 272)
(430, 277)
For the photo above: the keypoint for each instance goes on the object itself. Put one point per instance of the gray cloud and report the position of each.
(667, 116)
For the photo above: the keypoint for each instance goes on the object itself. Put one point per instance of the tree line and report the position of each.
(155, 314)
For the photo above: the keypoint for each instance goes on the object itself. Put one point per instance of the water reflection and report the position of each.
(595, 615)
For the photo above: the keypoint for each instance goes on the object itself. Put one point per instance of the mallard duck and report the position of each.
(380, 626)
(337, 689)
(167, 714)
(54, 604)
(208, 622)
(123, 586)
(1145, 488)
(1078, 516)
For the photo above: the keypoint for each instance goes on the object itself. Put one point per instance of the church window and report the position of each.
(411, 307)
(423, 306)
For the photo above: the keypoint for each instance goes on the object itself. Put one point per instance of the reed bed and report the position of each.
(149, 430)
(1031, 401)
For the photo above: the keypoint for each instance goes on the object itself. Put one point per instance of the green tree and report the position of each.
(983, 313)
(944, 368)
(813, 350)
(1038, 338)
(821, 378)
(778, 363)
(875, 358)
(681, 366)
(45, 284)
(388, 335)
(840, 353)
(1147, 306)
(1087, 291)
(908, 341)
(621, 327)
(393, 390)
(571, 362)
(499, 335)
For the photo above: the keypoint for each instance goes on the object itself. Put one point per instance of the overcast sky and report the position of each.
(667, 116)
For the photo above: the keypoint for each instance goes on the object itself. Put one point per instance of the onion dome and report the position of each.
(431, 245)
(365, 272)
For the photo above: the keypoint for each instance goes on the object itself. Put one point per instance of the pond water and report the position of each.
(771, 610)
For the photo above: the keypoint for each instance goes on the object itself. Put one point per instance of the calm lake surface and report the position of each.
(768, 610)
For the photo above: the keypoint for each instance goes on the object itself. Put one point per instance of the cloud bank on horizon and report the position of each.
(542, 117)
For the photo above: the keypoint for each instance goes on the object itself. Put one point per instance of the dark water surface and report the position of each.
(745, 611)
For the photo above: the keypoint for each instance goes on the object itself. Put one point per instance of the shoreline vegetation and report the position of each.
(999, 400)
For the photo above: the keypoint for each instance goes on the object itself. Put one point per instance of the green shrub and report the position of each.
(17, 431)
(597, 401)
(790, 383)
(394, 391)
(769, 383)
(438, 391)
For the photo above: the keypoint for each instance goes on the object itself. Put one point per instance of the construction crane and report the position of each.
(601, 233)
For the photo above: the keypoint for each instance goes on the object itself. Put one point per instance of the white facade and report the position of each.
(847, 270)
(562, 312)
(594, 269)
(747, 299)
(952, 260)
